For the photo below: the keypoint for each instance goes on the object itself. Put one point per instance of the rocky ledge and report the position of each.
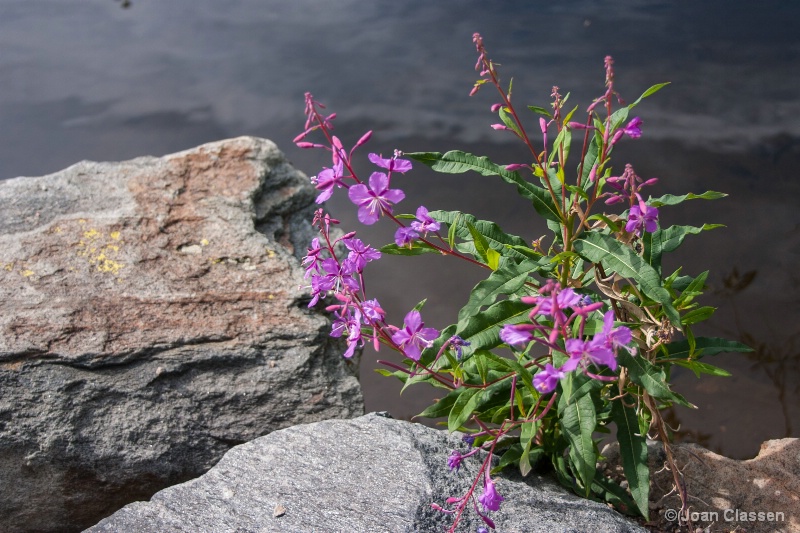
(371, 475)
(150, 319)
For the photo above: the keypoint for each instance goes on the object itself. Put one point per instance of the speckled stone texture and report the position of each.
(151, 319)
(371, 474)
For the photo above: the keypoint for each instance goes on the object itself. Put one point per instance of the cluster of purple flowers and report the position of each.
(641, 217)
(553, 302)
(343, 278)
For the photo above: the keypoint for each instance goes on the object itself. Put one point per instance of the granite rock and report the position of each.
(371, 474)
(759, 495)
(150, 319)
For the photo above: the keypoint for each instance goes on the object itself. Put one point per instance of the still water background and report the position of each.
(87, 79)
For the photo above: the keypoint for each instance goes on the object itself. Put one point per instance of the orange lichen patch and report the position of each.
(16, 365)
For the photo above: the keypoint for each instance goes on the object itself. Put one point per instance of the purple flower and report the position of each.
(546, 380)
(373, 313)
(312, 258)
(633, 129)
(517, 334)
(413, 338)
(326, 180)
(393, 164)
(454, 460)
(337, 275)
(642, 218)
(457, 343)
(564, 298)
(614, 337)
(350, 323)
(594, 352)
(490, 499)
(405, 236)
(360, 253)
(424, 223)
(373, 201)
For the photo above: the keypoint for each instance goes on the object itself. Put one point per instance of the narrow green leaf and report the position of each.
(480, 242)
(442, 407)
(673, 236)
(508, 120)
(655, 88)
(451, 232)
(697, 315)
(633, 451)
(482, 331)
(652, 378)
(703, 368)
(463, 407)
(504, 281)
(417, 248)
(494, 236)
(708, 346)
(614, 256)
(493, 258)
(540, 110)
(669, 199)
(578, 420)
(457, 162)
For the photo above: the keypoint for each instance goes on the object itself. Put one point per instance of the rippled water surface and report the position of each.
(87, 79)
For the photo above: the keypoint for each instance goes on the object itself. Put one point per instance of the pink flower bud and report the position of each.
(651, 181)
(364, 138)
(496, 107)
(593, 174)
(577, 125)
(474, 90)
(543, 124)
(614, 200)
(514, 166)
(617, 136)
(500, 127)
(306, 145)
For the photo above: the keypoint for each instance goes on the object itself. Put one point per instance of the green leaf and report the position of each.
(652, 378)
(614, 256)
(669, 199)
(493, 235)
(503, 281)
(457, 162)
(633, 451)
(527, 433)
(508, 120)
(462, 409)
(451, 232)
(417, 248)
(589, 160)
(540, 110)
(707, 345)
(480, 242)
(493, 258)
(703, 368)
(655, 88)
(442, 407)
(697, 315)
(578, 420)
(482, 331)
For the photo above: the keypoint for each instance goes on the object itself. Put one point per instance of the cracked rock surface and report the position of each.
(150, 319)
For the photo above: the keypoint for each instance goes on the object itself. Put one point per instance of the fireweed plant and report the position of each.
(592, 323)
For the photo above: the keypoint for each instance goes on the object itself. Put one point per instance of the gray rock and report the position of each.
(150, 319)
(371, 474)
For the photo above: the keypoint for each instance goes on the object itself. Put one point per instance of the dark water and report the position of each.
(86, 79)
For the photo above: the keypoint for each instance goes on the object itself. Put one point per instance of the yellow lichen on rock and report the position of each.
(100, 252)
